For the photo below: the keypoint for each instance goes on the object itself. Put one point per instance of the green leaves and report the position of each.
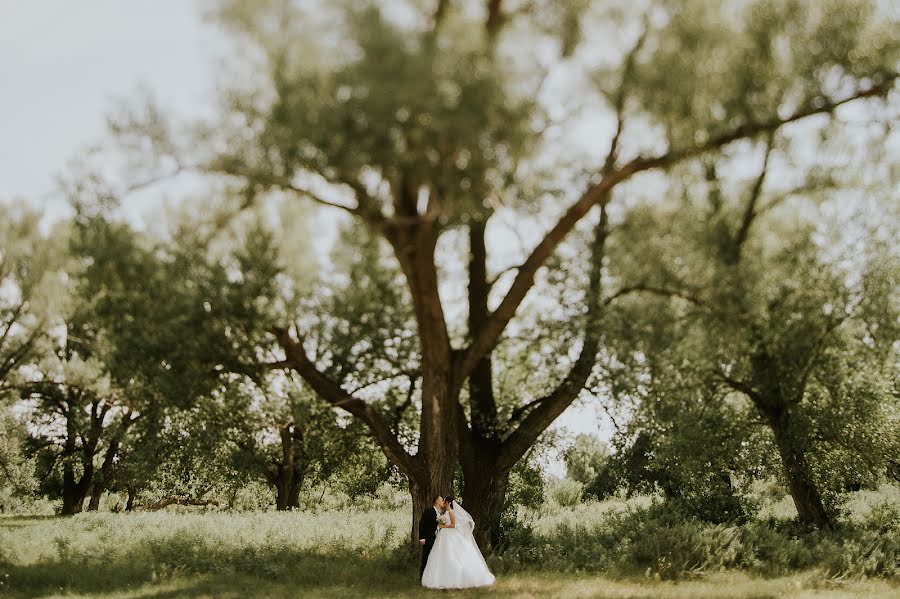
(392, 110)
(727, 64)
(169, 320)
(32, 287)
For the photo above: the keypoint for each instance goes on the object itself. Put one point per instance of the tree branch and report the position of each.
(494, 21)
(621, 97)
(440, 14)
(740, 386)
(599, 192)
(335, 395)
(520, 411)
(545, 410)
(750, 211)
(661, 291)
(303, 191)
(814, 354)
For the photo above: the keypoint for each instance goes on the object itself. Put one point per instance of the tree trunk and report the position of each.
(283, 478)
(74, 491)
(806, 495)
(487, 458)
(422, 499)
(109, 459)
(96, 494)
(293, 500)
(129, 503)
(484, 497)
(281, 496)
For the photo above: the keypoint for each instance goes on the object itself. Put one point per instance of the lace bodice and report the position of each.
(444, 519)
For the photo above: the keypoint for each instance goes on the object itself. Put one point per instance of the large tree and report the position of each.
(776, 309)
(429, 126)
(122, 351)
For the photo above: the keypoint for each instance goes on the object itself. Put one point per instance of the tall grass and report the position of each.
(360, 552)
(81, 552)
(657, 540)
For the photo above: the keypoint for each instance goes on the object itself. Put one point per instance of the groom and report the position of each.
(428, 530)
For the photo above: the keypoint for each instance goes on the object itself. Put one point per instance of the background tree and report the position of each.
(768, 311)
(124, 353)
(292, 442)
(586, 458)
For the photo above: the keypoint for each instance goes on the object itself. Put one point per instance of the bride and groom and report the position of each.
(450, 557)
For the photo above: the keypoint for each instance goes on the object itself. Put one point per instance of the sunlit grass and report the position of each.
(358, 553)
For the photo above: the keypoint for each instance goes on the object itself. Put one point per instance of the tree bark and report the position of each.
(109, 458)
(96, 494)
(293, 499)
(284, 472)
(484, 492)
(430, 471)
(804, 491)
(129, 503)
(281, 496)
(74, 491)
(487, 459)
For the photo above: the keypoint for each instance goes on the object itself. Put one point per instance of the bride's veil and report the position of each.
(464, 521)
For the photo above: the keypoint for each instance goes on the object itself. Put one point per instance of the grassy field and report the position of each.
(344, 553)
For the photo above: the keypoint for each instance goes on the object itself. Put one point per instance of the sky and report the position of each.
(66, 65)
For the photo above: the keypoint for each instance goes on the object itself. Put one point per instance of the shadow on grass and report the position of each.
(237, 573)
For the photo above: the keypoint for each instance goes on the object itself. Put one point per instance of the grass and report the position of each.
(519, 586)
(355, 553)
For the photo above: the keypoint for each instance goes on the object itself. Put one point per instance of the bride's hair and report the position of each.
(449, 499)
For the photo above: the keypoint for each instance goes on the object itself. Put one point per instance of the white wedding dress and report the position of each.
(455, 562)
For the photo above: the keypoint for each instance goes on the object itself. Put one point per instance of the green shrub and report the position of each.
(565, 492)
(664, 541)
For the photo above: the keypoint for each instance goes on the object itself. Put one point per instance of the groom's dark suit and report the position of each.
(427, 531)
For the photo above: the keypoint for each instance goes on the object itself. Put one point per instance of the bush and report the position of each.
(715, 508)
(566, 492)
(664, 541)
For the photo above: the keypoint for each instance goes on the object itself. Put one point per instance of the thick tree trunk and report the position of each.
(806, 495)
(422, 499)
(74, 491)
(281, 496)
(293, 500)
(804, 491)
(484, 497)
(109, 459)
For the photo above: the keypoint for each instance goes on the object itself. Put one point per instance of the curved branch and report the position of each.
(740, 386)
(599, 192)
(661, 291)
(335, 395)
(545, 410)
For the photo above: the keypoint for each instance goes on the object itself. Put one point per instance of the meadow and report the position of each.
(618, 548)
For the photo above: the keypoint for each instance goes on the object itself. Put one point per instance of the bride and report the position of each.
(455, 562)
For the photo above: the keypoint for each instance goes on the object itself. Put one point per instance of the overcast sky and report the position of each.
(64, 65)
